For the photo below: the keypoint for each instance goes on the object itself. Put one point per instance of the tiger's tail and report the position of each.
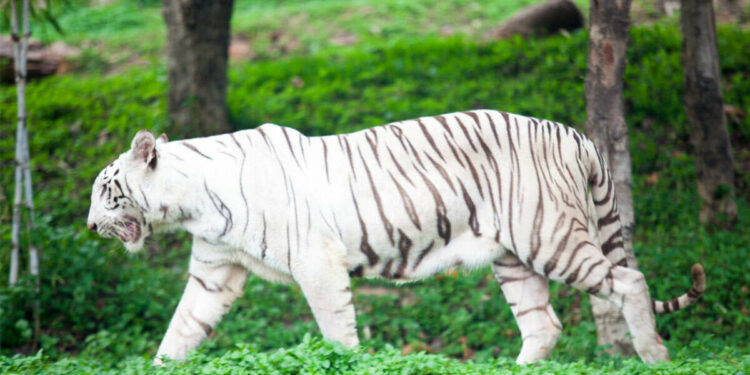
(610, 231)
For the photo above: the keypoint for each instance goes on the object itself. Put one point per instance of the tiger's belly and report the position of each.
(428, 258)
(409, 254)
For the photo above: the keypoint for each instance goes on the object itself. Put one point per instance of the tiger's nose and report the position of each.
(92, 227)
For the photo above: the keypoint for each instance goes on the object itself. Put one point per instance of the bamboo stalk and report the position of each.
(13, 277)
(33, 253)
(14, 258)
(23, 165)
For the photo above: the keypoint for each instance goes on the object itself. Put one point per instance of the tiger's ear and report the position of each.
(143, 148)
(162, 139)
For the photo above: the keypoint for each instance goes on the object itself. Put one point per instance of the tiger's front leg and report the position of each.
(324, 279)
(210, 291)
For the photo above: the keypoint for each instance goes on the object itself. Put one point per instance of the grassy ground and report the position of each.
(125, 32)
(105, 310)
(314, 356)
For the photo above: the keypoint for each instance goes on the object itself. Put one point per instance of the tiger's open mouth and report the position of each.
(132, 232)
(128, 229)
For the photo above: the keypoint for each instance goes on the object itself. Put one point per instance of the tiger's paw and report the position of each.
(654, 353)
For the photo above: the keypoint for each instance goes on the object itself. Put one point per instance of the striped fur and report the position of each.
(403, 201)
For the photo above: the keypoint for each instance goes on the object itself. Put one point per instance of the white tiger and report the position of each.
(403, 201)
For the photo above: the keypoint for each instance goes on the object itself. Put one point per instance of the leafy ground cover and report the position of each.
(104, 310)
(116, 33)
(314, 356)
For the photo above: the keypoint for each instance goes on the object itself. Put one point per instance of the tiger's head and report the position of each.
(119, 201)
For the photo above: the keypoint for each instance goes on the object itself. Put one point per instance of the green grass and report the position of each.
(105, 310)
(314, 356)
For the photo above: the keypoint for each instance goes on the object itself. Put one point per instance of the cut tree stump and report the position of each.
(538, 20)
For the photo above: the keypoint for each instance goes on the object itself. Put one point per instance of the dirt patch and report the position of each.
(344, 39)
(406, 296)
(240, 48)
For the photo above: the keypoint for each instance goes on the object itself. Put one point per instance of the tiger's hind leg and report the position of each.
(527, 294)
(587, 269)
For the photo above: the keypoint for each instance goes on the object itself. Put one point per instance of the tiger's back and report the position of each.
(410, 199)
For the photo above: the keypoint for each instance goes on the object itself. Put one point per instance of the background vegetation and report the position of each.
(344, 66)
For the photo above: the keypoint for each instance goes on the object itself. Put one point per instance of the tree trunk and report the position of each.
(197, 54)
(605, 125)
(704, 107)
(541, 19)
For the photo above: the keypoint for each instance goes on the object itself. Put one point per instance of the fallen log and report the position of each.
(542, 19)
(41, 61)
